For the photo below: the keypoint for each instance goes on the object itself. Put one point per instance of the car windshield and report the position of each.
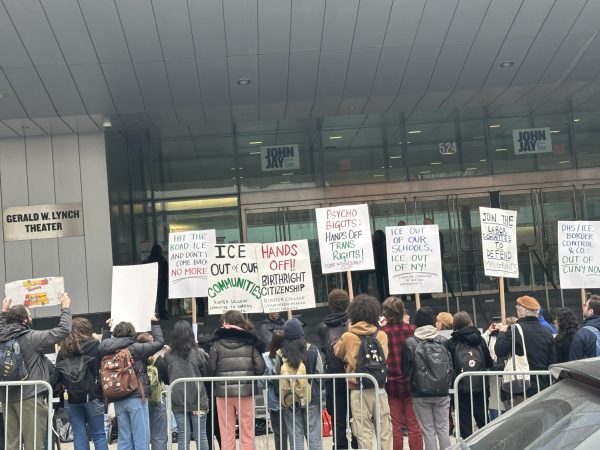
(561, 417)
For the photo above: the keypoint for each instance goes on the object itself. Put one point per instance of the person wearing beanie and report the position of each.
(364, 312)
(300, 423)
(538, 341)
(429, 389)
(443, 321)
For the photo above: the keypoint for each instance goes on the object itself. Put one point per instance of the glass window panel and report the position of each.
(592, 202)
(587, 138)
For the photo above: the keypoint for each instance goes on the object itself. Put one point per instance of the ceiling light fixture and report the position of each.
(501, 149)
(287, 174)
(254, 153)
(471, 168)
(244, 81)
(408, 142)
(496, 125)
(435, 163)
(477, 137)
(483, 160)
(396, 157)
(564, 162)
(335, 137)
(379, 175)
(255, 142)
(425, 171)
(415, 132)
(576, 120)
(285, 182)
(507, 64)
(554, 131)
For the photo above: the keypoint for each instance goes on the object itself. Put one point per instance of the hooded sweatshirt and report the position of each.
(329, 331)
(88, 347)
(472, 337)
(349, 344)
(33, 345)
(193, 366)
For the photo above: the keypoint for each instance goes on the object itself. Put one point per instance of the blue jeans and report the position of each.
(158, 426)
(133, 419)
(91, 413)
(191, 425)
(299, 427)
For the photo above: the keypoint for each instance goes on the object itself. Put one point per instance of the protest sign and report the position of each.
(134, 295)
(188, 263)
(286, 282)
(499, 242)
(345, 238)
(35, 292)
(579, 254)
(414, 259)
(233, 279)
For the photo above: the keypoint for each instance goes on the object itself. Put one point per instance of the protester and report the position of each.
(26, 414)
(470, 354)
(272, 323)
(132, 411)
(566, 323)
(398, 382)
(162, 287)
(189, 401)
(235, 352)
(585, 344)
(301, 402)
(429, 389)
(381, 268)
(543, 321)
(539, 343)
(329, 332)
(280, 433)
(444, 321)
(84, 402)
(364, 314)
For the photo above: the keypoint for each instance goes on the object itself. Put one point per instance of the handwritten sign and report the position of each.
(345, 238)
(134, 295)
(414, 259)
(499, 242)
(285, 276)
(35, 292)
(188, 263)
(579, 254)
(233, 279)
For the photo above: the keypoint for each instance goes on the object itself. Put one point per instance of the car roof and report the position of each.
(584, 370)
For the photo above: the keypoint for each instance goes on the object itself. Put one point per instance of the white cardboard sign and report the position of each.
(134, 295)
(233, 281)
(579, 254)
(188, 263)
(414, 259)
(285, 276)
(35, 292)
(345, 238)
(499, 242)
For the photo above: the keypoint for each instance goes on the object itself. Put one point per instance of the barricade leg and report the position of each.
(26, 422)
(363, 405)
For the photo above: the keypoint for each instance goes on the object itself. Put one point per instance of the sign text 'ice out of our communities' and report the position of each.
(579, 254)
(532, 140)
(414, 259)
(279, 157)
(42, 221)
(188, 263)
(233, 281)
(345, 238)
(286, 281)
(499, 242)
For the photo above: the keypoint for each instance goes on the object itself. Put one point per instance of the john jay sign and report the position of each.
(279, 157)
(42, 221)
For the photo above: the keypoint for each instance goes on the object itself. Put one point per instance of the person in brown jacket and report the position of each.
(364, 312)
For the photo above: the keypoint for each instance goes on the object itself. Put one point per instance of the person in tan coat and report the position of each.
(364, 312)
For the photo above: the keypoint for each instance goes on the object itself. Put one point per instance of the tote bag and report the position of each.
(517, 384)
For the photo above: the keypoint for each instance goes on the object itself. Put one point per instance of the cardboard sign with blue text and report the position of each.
(233, 281)
(414, 259)
(499, 242)
(286, 281)
(345, 241)
(188, 263)
(579, 254)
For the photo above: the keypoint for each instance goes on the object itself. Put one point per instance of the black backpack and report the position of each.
(12, 364)
(371, 360)
(333, 364)
(432, 372)
(78, 377)
(469, 359)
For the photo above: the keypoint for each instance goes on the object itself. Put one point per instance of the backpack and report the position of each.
(156, 385)
(118, 376)
(371, 361)
(78, 377)
(12, 364)
(298, 391)
(469, 359)
(597, 333)
(432, 371)
(333, 364)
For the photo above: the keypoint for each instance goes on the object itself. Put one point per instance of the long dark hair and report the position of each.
(566, 321)
(294, 350)
(182, 339)
(276, 343)
(82, 329)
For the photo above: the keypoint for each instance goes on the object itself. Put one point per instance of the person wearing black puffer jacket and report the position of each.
(236, 352)
(132, 411)
(469, 354)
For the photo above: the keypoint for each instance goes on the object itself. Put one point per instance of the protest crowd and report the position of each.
(413, 402)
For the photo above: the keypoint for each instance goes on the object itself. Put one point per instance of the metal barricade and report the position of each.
(505, 398)
(23, 407)
(303, 420)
